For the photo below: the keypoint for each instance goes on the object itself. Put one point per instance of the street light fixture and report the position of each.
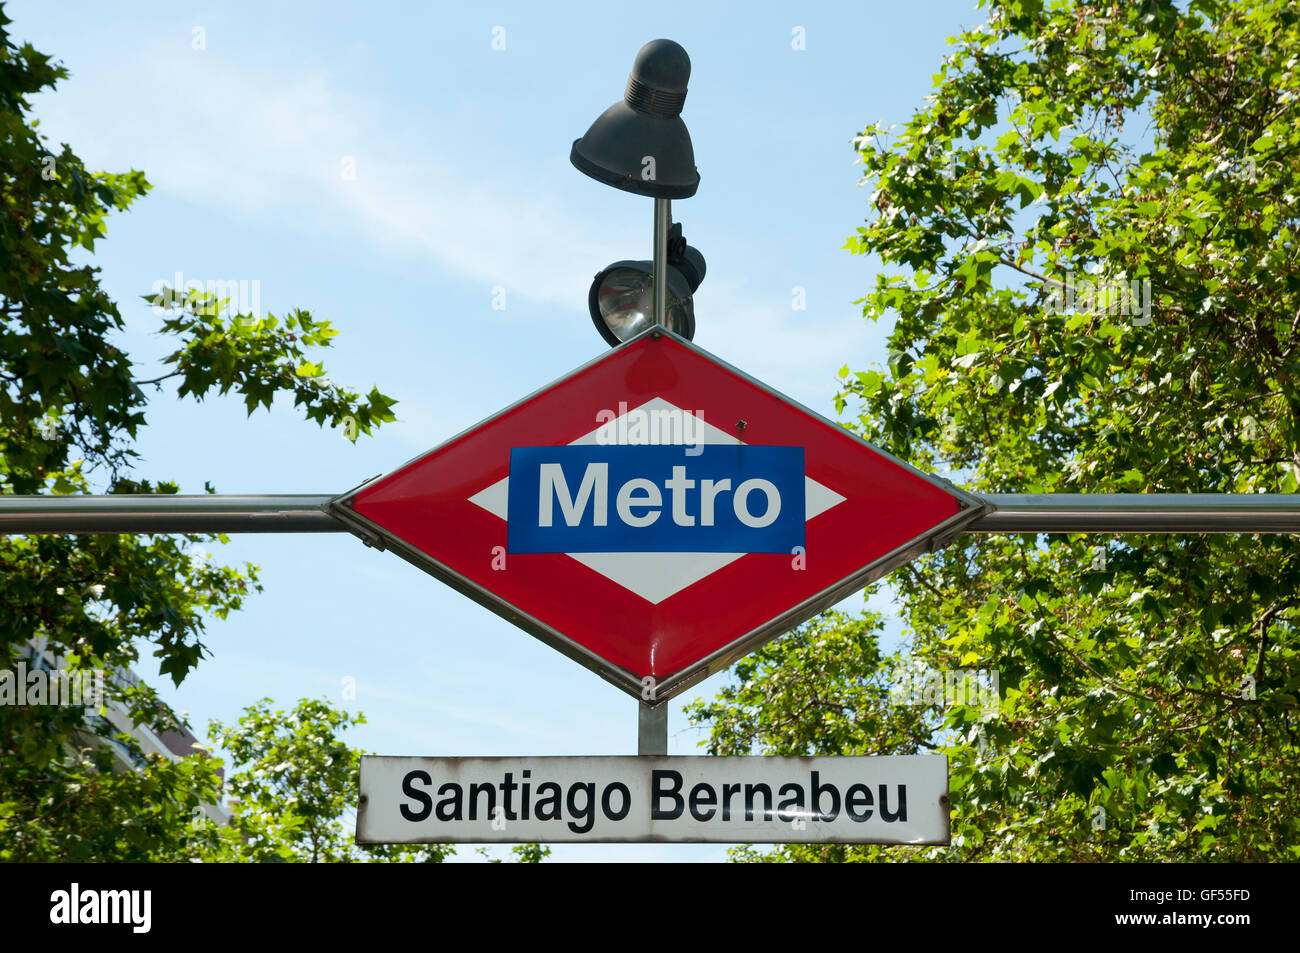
(621, 300)
(641, 145)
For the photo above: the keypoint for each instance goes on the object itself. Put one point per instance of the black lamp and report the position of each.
(621, 300)
(641, 145)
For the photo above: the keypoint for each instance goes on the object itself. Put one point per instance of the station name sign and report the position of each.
(851, 800)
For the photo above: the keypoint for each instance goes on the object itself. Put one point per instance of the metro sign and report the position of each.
(656, 514)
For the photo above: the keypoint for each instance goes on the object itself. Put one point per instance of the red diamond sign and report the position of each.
(656, 514)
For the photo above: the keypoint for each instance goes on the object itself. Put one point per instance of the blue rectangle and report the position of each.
(710, 498)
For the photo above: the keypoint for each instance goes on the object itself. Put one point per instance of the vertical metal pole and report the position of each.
(652, 729)
(663, 222)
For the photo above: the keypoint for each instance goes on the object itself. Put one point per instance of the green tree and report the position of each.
(71, 405)
(530, 853)
(64, 797)
(296, 778)
(1149, 683)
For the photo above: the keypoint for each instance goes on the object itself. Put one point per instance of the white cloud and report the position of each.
(257, 142)
(261, 140)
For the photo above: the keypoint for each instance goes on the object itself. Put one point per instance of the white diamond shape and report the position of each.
(656, 576)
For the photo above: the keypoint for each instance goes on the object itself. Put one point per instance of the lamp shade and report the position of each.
(640, 144)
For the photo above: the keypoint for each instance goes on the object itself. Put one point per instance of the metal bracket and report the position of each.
(652, 729)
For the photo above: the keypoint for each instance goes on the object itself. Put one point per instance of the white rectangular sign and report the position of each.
(762, 800)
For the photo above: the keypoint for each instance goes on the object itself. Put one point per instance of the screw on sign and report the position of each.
(656, 514)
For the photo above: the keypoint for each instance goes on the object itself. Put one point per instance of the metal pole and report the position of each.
(149, 513)
(305, 513)
(1139, 513)
(663, 222)
(652, 729)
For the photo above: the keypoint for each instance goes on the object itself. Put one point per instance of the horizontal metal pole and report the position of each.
(1139, 513)
(159, 513)
(305, 513)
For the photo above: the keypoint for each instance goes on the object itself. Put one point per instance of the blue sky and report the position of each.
(244, 117)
